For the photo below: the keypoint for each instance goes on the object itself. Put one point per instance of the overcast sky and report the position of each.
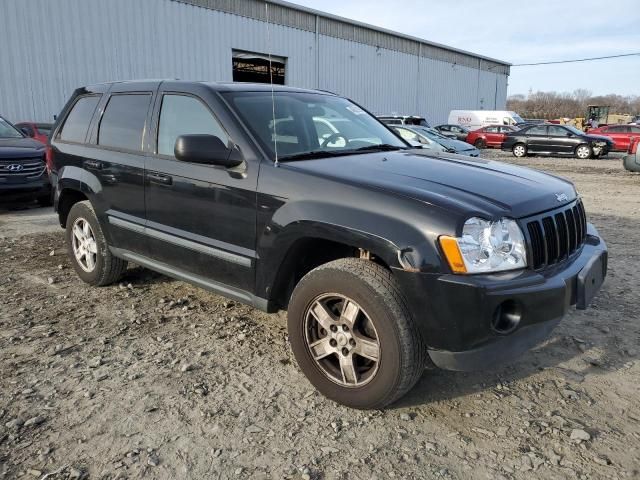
(521, 32)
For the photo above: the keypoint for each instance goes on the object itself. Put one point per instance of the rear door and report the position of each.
(119, 136)
(201, 219)
(537, 140)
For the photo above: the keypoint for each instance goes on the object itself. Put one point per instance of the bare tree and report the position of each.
(551, 105)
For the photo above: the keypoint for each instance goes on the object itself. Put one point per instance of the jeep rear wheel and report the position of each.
(88, 249)
(353, 336)
(519, 150)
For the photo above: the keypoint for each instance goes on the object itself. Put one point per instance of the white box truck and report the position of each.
(474, 119)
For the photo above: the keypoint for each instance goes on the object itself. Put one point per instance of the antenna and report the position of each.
(273, 101)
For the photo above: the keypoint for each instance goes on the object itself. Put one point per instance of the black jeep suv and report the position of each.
(383, 255)
(23, 171)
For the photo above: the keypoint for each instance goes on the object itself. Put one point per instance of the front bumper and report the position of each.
(460, 326)
(10, 192)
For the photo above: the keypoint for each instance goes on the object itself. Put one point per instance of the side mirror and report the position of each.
(569, 134)
(26, 132)
(209, 149)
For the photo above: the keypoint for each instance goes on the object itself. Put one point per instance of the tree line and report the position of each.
(551, 105)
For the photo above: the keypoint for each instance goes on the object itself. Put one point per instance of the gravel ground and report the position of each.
(153, 378)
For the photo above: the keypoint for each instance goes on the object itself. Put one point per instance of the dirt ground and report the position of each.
(153, 378)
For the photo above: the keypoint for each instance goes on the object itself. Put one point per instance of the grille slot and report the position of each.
(21, 168)
(556, 235)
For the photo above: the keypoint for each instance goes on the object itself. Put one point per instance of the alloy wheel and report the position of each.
(83, 242)
(583, 152)
(342, 340)
(519, 151)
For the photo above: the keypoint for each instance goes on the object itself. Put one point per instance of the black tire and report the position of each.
(402, 354)
(480, 144)
(630, 164)
(520, 150)
(108, 268)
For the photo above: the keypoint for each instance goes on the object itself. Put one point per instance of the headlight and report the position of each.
(486, 247)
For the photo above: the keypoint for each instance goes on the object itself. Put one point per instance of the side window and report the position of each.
(635, 129)
(183, 115)
(77, 122)
(539, 131)
(557, 131)
(123, 121)
(491, 129)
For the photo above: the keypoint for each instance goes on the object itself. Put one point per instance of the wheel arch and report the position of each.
(74, 185)
(304, 245)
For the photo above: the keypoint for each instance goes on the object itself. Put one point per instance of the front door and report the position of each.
(537, 139)
(201, 219)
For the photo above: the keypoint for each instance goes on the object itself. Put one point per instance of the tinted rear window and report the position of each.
(77, 122)
(122, 124)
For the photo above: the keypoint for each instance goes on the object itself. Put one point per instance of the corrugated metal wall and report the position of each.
(50, 48)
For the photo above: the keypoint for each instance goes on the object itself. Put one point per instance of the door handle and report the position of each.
(93, 164)
(159, 178)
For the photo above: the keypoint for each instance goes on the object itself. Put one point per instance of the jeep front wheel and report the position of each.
(353, 336)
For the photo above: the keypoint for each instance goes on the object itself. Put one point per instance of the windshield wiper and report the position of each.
(313, 154)
(383, 147)
(338, 153)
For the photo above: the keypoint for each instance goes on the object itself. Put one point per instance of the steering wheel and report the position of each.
(332, 138)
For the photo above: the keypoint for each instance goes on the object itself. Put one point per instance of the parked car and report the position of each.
(37, 131)
(620, 134)
(415, 140)
(382, 254)
(428, 136)
(631, 160)
(489, 137)
(474, 119)
(557, 140)
(23, 171)
(455, 131)
(394, 119)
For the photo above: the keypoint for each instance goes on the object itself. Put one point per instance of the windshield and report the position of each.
(309, 123)
(517, 117)
(432, 134)
(8, 131)
(574, 130)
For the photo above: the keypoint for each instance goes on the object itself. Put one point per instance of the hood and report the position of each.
(463, 184)
(14, 148)
(457, 145)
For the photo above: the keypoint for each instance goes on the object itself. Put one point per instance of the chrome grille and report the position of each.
(22, 168)
(555, 236)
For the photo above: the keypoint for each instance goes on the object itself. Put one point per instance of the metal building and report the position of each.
(50, 48)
